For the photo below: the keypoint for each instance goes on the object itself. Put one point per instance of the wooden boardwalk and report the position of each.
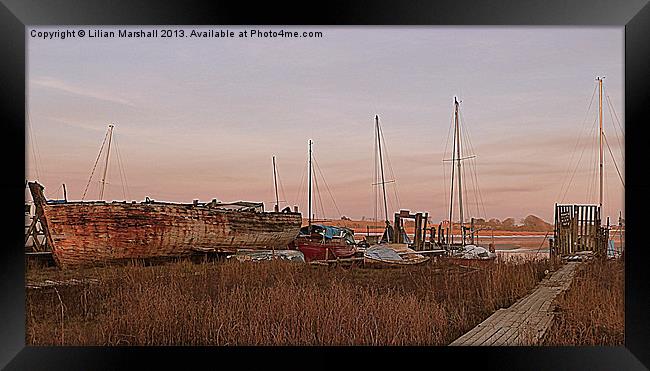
(526, 321)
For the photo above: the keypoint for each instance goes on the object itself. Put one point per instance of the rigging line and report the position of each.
(592, 165)
(106, 169)
(461, 138)
(120, 169)
(614, 160)
(480, 194)
(474, 190)
(52, 195)
(606, 198)
(444, 155)
(596, 163)
(459, 150)
(318, 193)
(611, 109)
(577, 163)
(375, 175)
(119, 172)
(615, 115)
(390, 169)
(618, 140)
(299, 198)
(327, 187)
(578, 140)
(465, 135)
(464, 170)
(444, 186)
(542, 244)
(453, 170)
(473, 164)
(94, 166)
(284, 196)
(34, 147)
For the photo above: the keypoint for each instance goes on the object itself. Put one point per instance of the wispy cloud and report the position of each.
(48, 82)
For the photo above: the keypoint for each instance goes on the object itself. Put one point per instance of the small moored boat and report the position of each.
(392, 255)
(323, 242)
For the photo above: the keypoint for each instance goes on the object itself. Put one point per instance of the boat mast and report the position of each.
(450, 226)
(108, 152)
(381, 164)
(275, 182)
(309, 202)
(460, 188)
(600, 136)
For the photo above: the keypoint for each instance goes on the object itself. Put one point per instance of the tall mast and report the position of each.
(460, 187)
(275, 182)
(309, 184)
(600, 136)
(108, 152)
(381, 164)
(450, 227)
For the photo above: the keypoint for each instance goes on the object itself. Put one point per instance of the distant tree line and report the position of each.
(529, 223)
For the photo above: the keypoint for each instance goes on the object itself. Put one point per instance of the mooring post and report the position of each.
(397, 237)
(471, 230)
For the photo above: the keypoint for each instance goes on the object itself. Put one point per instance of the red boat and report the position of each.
(322, 242)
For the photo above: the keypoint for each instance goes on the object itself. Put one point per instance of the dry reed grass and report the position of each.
(592, 312)
(273, 303)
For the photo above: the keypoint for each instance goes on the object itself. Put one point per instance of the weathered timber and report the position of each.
(526, 321)
(85, 233)
(578, 229)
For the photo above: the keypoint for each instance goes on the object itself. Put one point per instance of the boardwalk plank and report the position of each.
(525, 321)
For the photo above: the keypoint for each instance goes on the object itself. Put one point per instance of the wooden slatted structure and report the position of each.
(419, 237)
(578, 229)
(527, 320)
(35, 241)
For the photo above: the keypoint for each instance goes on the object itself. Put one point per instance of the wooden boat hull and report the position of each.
(87, 233)
(317, 250)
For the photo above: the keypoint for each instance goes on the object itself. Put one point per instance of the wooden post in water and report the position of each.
(397, 232)
(424, 229)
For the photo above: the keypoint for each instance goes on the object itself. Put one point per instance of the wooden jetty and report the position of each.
(527, 320)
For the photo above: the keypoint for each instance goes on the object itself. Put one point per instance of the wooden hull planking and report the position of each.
(317, 250)
(90, 232)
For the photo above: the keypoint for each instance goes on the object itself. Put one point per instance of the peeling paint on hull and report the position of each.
(91, 232)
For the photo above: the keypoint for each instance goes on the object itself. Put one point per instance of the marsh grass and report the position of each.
(592, 312)
(272, 303)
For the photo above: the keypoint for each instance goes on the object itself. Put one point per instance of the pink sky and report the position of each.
(201, 119)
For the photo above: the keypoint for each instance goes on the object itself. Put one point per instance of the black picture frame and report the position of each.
(16, 15)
